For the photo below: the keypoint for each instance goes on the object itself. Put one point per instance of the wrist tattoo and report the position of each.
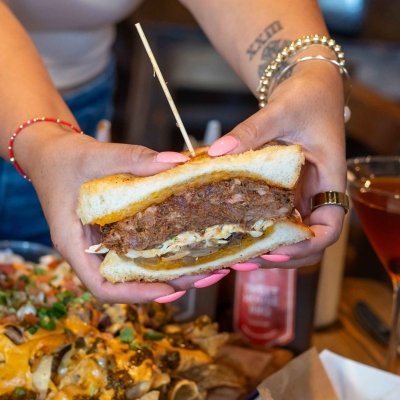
(262, 39)
(270, 52)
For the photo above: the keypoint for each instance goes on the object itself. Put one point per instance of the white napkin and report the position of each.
(355, 381)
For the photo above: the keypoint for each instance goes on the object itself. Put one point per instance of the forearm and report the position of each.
(249, 33)
(26, 90)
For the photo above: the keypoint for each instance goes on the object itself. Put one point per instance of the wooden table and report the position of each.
(346, 337)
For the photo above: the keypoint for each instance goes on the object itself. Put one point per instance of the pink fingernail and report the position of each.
(245, 266)
(276, 257)
(223, 271)
(223, 146)
(210, 280)
(171, 297)
(171, 157)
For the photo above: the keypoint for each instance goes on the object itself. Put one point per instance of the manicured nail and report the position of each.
(171, 297)
(171, 157)
(223, 271)
(276, 257)
(210, 280)
(223, 146)
(245, 266)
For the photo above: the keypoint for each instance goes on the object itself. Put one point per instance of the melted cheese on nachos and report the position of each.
(57, 342)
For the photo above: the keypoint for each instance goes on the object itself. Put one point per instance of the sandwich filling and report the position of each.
(198, 221)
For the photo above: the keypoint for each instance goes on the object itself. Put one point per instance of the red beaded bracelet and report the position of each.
(24, 125)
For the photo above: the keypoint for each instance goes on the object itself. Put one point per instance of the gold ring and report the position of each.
(330, 198)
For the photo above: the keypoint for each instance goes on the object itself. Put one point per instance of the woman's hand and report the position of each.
(306, 109)
(66, 162)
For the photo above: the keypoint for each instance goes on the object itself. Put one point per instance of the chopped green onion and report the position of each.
(126, 335)
(83, 299)
(58, 310)
(39, 271)
(19, 392)
(3, 297)
(24, 278)
(138, 346)
(153, 335)
(43, 312)
(66, 297)
(47, 323)
(33, 329)
(86, 296)
(48, 315)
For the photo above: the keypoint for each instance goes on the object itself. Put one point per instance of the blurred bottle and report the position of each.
(264, 306)
(306, 294)
(275, 307)
(282, 307)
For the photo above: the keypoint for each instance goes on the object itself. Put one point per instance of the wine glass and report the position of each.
(374, 187)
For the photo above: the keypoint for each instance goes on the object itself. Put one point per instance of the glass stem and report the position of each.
(391, 356)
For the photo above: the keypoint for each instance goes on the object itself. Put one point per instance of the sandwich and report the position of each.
(204, 215)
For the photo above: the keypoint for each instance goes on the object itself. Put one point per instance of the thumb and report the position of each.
(252, 133)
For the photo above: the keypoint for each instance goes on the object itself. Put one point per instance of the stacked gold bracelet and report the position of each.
(289, 52)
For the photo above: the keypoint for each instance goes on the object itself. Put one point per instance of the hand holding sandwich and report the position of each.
(58, 179)
(306, 109)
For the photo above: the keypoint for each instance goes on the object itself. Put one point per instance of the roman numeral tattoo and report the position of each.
(263, 38)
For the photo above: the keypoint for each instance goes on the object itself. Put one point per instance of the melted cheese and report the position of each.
(189, 358)
(97, 377)
(81, 372)
(76, 325)
(231, 249)
(15, 370)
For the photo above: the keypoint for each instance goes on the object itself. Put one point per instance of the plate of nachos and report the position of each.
(58, 343)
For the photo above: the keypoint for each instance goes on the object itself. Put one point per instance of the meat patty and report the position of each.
(233, 201)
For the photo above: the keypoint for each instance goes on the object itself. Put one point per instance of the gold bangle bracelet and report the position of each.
(287, 53)
(342, 69)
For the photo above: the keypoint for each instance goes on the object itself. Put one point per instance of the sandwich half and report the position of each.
(206, 214)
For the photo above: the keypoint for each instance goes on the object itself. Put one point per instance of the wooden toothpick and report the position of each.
(165, 89)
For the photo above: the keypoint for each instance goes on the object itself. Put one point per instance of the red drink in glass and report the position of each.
(380, 217)
(374, 187)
